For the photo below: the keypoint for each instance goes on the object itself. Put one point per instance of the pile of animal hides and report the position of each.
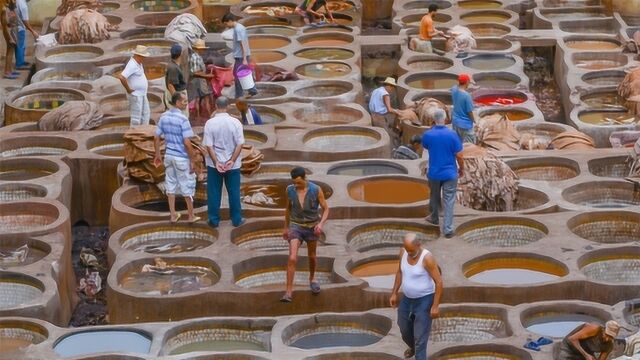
(69, 5)
(251, 160)
(84, 26)
(72, 116)
(185, 29)
(488, 182)
(421, 112)
(497, 132)
(461, 39)
(629, 91)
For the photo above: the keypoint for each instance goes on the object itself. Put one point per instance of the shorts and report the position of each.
(178, 177)
(424, 46)
(302, 233)
(465, 135)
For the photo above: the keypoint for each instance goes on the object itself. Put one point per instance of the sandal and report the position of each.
(195, 220)
(286, 298)
(532, 345)
(315, 288)
(10, 76)
(177, 218)
(409, 353)
(544, 341)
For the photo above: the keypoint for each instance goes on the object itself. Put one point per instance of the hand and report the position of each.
(589, 357)
(393, 300)
(220, 168)
(228, 165)
(435, 312)
(460, 172)
(36, 35)
(285, 233)
(157, 161)
(317, 229)
(192, 166)
(129, 91)
(12, 41)
(245, 62)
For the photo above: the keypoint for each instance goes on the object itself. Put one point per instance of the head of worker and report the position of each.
(140, 53)
(463, 81)
(200, 46)
(439, 116)
(389, 84)
(611, 330)
(433, 9)
(175, 51)
(179, 100)
(412, 245)
(415, 142)
(299, 177)
(222, 103)
(229, 20)
(242, 106)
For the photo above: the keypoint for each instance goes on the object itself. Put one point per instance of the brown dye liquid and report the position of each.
(325, 42)
(489, 63)
(176, 279)
(11, 344)
(267, 42)
(604, 81)
(430, 65)
(488, 31)
(603, 100)
(389, 191)
(608, 118)
(23, 174)
(597, 64)
(376, 268)
(272, 30)
(324, 70)
(321, 91)
(482, 18)
(493, 82)
(480, 355)
(592, 45)
(262, 57)
(479, 4)
(515, 115)
(325, 54)
(432, 83)
(513, 271)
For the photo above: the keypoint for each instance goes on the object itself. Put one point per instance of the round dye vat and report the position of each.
(552, 169)
(607, 118)
(603, 194)
(419, 5)
(268, 90)
(160, 5)
(603, 100)
(462, 326)
(606, 227)
(604, 78)
(430, 64)
(488, 30)
(113, 148)
(337, 115)
(324, 70)
(485, 17)
(155, 47)
(597, 64)
(17, 192)
(476, 354)
(26, 169)
(264, 240)
(592, 45)
(220, 337)
(38, 146)
(619, 268)
(168, 279)
(23, 254)
(272, 193)
(151, 71)
(502, 232)
(142, 33)
(479, 4)
(73, 53)
(389, 190)
(16, 335)
(500, 100)
(615, 166)
(271, 30)
(218, 345)
(332, 337)
(416, 19)
(324, 90)
(513, 271)
(94, 342)
(46, 100)
(367, 169)
(428, 82)
(265, 57)
(267, 42)
(512, 115)
(18, 290)
(163, 239)
(383, 235)
(161, 205)
(107, 7)
(378, 274)
(558, 325)
(497, 82)
(325, 54)
(573, 15)
(489, 62)
(119, 104)
(273, 278)
(321, 40)
(272, 10)
(338, 142)
(66, 75)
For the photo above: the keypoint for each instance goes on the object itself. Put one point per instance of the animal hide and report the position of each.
(185, 29)
(84, 26)
(498, 133)
(68, 6)
(572, 140)
(251, 160)
(461, 39)
(72, 116)
(421, 112)
(629, 91)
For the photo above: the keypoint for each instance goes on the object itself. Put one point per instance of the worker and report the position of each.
(309, 10)
(463, 119)
(135, 83)
(423, 42)
(587, 340)
(383, 115)
(410, 151)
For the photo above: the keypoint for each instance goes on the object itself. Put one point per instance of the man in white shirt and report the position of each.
(223, 138)
(135, 82)
(22, 12)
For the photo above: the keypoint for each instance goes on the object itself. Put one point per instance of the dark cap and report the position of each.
(176, 50)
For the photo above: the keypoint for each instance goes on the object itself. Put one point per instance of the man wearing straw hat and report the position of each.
(587, 340)
(382, 114)
(200, 80)
(135, 83)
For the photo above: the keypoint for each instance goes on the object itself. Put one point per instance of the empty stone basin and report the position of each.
(482, 352)
(267, 42)
(17, 192)
(366, 168)
(115, 123)
(224, 335)
(487, 44)
(75, 74)
(326, 331)
(152, 71)
(101, 341)
(606, 227)
(497, 80)
(418, 5)
(356, 355)
(331, 115)
(254, 137)
(557, 321)
(545, 169)
(22, 251)
(414, 19)
(72, 53)
(604, 78)
(17, 290)
(168, 276)
(502, 232)
(512, 114)
(272, 30)
(111, 145)
(141, 33)
(162, 238)
(432, 81)
(603, 99)
(389, 190)
(45, 99)
(489, 62)
(271, 193)
(325, 89)
(265, 57)
(379, 273)
(612, 266)
(118, 103)
(603, 194)
(592, 26)
(325, 39)
(513, 269)
(26, 169)
(269, 273)
(160, 5)
(488, 29)
(479, 4)
(155, 47)
(324, 70)
(598, 61)
(388, 234)
(325, 54)
(36, 146)
(592, 45)
(614, 166)
(428, 62)
(464, 324)
(268, 115)
(17, 334)
(268, 91)
(340, 139)
(155, 20)
(150, 199)
(485, 17)
(607, 117)
(263, 236)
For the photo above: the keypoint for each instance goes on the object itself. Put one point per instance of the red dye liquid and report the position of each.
(493, 100)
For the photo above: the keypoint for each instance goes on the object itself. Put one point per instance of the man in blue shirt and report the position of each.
(179, 158)
(444, 148)
(241, 50)
(463, 119)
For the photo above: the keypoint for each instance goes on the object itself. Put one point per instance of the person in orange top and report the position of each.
(427, 32)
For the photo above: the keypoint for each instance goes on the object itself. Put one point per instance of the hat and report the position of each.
(200, 44)
(176, 50)
(142, 51)
(611, 328)
(464, 79)
(390, 81)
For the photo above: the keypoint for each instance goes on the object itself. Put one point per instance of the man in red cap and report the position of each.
(463, 119)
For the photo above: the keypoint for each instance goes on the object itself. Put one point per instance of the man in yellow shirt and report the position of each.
(427, 32)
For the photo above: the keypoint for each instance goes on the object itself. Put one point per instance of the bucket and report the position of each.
(245, 76)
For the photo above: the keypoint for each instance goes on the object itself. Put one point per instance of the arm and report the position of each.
(393, 300)
(326, 7)
(604, 355)
(190, 153)
(157, 160)
(30, 28)
(287, 210)
(460, 160)
(5, 26)
(124, 83)
(236, 152)
(387, 104)
(325, 212)
(171, 88)
(431, 266)
(587, 331)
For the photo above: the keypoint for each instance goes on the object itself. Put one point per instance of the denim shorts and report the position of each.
(302, 233)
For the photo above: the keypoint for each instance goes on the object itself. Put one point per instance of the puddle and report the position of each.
(93, 342)
(378, 274)
(325, 54)
(593, 45)
(489, 62)
(558, 325)
(168, 279)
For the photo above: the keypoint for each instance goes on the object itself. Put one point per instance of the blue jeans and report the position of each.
(448, 190)
(414, 321)
(231, 180)
(21, 48)
(239, 91)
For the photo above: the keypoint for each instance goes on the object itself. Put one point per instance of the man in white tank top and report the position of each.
(419, 277)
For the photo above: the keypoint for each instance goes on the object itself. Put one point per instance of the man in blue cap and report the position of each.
(174, 79)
